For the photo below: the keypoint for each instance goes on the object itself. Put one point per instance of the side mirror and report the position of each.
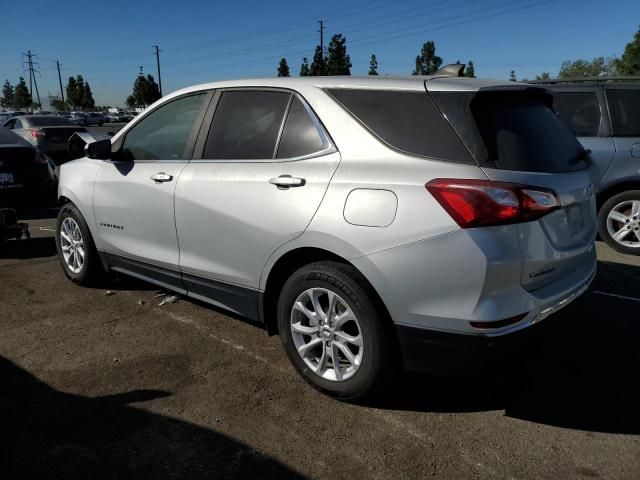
(83, 144)
(100, 150)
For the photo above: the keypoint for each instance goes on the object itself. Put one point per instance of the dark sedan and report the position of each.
(25, 174)
(48, 133)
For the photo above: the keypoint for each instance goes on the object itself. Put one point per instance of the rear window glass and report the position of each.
(580, 111)
(406, 121)
(246, 125)
(52, 121)
(624, 108)
(513, 130)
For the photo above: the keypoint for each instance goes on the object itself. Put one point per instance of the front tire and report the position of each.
(619, 222)
(76, 251)
(333, 331)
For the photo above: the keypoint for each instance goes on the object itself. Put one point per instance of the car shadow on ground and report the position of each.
(582, 373)
(50, 434)
(38, 247)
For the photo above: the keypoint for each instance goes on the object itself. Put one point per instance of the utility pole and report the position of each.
(157, 54)
(32, 76)
(322, 27)
(60, 81)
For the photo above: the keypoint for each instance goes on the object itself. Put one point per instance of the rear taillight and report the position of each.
(478, 203)
(37, 133)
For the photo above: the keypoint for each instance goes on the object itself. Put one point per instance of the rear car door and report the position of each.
(583, 110)
(624, 111)
(262, 165)
(134, 192)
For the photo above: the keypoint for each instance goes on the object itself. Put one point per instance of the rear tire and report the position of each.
(619, 222)
(353, 327)
(76, 251)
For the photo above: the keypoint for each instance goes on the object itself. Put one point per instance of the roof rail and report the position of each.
(451, 70)
(588, 80)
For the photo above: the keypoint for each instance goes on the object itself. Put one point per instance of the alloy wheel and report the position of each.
(326, 334)
(72, 245)
(623, 223)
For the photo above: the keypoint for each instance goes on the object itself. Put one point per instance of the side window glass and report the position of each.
(624, 105)
(163, 134)
(580, 111)
(10, 124)
(246, 125)
(18, 124)
(300, 135)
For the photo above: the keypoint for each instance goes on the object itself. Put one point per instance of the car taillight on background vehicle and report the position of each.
(37, 133)
(481, 203)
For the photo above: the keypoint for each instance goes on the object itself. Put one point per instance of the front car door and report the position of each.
(134, 192)
(261, 168)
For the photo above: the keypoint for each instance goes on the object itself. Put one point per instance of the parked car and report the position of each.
(95, 118)
(78, 118)
(50, 134)
(359, 218)
(604, 117)
(24, 171)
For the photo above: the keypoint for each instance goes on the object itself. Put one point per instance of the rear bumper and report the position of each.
(425, 350)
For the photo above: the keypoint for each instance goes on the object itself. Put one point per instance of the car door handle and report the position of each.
(161, 177)
(286, 181)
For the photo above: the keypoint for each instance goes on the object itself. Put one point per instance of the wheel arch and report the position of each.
(611, 190)
(290, 262)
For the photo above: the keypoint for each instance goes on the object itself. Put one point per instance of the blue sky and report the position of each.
(107, 41)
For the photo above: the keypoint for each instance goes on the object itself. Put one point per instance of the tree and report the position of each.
(305, 71)
(79, 92)
(373, 65)
(598, 67)
(22, 96)
(8, 95)
(470, 70)
(427, 63)
(512, 76)
(57, 104)
(338, 61)
(629, 63)
(319, 63)
(131, 101)
(283, 68)
(73, 95)
(87, 100)
(152, 92)
(544, 76)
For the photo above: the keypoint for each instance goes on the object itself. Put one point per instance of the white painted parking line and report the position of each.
(633, 299)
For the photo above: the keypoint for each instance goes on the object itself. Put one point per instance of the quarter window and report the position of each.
(246, 125)
(164, 133)
(407, 121)
(624, 105)
(580, 111)
(300, 135)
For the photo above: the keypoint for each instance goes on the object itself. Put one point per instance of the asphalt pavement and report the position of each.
(105, 383)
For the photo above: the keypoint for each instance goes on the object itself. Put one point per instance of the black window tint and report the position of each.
(300, 135)
(580, 111)
(407, 121)
(50, 121)
(246, 125)
(624, 108)
(163, 134)
(513, 130)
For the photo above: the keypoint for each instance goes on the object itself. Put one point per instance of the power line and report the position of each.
(32, 77)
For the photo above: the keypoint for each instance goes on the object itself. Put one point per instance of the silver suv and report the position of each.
(367, 221)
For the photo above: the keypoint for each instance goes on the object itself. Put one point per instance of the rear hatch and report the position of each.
(516, 137)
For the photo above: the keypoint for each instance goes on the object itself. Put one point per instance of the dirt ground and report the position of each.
(112, 385)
